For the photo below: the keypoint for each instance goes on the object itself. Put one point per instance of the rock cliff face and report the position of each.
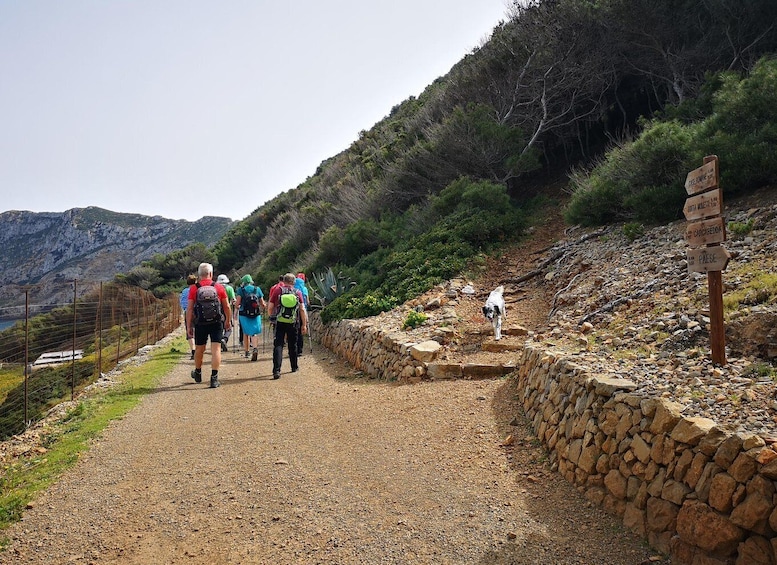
(49, 250)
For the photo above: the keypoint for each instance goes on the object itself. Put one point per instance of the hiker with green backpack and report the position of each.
(285, 309)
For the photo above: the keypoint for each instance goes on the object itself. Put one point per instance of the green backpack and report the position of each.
(289, 305)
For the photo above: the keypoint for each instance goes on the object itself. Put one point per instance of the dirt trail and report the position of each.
(314, 468)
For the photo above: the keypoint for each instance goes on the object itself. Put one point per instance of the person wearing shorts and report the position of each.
(204, 331)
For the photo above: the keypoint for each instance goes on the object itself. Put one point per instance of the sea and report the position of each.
(6, 324)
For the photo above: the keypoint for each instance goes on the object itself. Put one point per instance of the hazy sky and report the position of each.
(187, 108)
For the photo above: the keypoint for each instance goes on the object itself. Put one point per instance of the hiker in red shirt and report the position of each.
(207, 309)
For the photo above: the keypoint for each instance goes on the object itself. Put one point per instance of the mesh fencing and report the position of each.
(50, 352)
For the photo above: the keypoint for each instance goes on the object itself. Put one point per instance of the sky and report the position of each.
(192, 108)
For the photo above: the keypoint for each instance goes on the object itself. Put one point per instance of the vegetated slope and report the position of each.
(49, 250)
(626, 305)
(547, 91)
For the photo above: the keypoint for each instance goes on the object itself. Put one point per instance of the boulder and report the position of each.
(701, 526)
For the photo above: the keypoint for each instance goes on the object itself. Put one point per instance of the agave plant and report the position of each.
(327, 286)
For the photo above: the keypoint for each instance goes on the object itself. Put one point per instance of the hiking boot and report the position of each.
(276, 375)
(197, 376)
(192, 357)
(214, 381)
(224, 347)
(295, 370)
(246, 354)
(254, 354)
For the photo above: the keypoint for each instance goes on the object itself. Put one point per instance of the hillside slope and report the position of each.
(49, 249)
(630, 308)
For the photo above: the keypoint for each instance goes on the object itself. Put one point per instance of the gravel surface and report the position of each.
(317, 467)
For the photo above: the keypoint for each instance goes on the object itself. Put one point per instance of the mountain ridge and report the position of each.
(44, 250)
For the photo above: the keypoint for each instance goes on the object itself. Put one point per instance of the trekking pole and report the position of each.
(310, 335)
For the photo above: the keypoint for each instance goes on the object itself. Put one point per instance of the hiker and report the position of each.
(279, 284)
(299, 284)
(250, 304)
(207, 309)
(284, 308)
(223, 280)
(190, 280)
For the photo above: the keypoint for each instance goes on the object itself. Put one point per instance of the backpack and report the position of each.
(249, 303)
(207, 306)
(288, 305)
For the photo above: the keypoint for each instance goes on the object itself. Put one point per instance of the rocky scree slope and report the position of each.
(91, 245)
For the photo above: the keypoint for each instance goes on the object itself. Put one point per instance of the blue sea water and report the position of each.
(6, 324)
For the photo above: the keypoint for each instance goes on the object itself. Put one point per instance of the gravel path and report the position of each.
(317, 468)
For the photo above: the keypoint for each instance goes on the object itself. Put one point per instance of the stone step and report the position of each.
(501, 346)
(475, 370)
(440, 371)
(486, 329)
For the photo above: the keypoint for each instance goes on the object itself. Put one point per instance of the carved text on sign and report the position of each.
(703, 205)
(703, 178)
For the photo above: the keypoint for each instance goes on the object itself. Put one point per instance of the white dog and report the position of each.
(494, 310)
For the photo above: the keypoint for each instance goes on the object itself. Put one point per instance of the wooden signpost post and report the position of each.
(705, 230)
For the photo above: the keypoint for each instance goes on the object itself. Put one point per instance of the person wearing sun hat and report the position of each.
(223, 280)
(249, 303)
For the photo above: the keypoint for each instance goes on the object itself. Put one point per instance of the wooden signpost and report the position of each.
(705, 230)
(703, 178)
(706, 259)
(704, 205)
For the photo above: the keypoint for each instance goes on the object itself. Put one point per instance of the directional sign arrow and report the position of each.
(703, 205)
(706, 259)
(706, 232)
(703, 178)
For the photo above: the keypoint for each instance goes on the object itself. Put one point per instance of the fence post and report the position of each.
(73, 351)
(118, 344)
(137, 321)
(145, 315)
(26, 352)
(100, 332)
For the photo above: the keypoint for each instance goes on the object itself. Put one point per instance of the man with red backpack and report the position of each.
(285, 308)
(207, 316)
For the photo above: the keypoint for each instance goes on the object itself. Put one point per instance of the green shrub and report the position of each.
(643, 180)
(466, 219)
(740, 229)
(414, 319)
(370, 304)
(638, 180)
(633, 230)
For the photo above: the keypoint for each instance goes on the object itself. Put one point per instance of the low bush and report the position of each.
(643, 180)
(467, 218)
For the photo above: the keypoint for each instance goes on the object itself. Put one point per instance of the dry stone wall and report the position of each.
(396, 355)
(376, 352)
(693, 490)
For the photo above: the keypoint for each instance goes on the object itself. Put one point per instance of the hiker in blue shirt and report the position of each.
(190, 280)
(250, 303)
(299, 284)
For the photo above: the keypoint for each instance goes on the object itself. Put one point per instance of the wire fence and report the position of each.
(50, 352)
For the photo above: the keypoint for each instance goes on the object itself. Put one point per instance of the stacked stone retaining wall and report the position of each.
(378, 353)
(705, 496)
(694, 491)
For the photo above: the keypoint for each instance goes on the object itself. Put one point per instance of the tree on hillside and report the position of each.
(672, 44)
